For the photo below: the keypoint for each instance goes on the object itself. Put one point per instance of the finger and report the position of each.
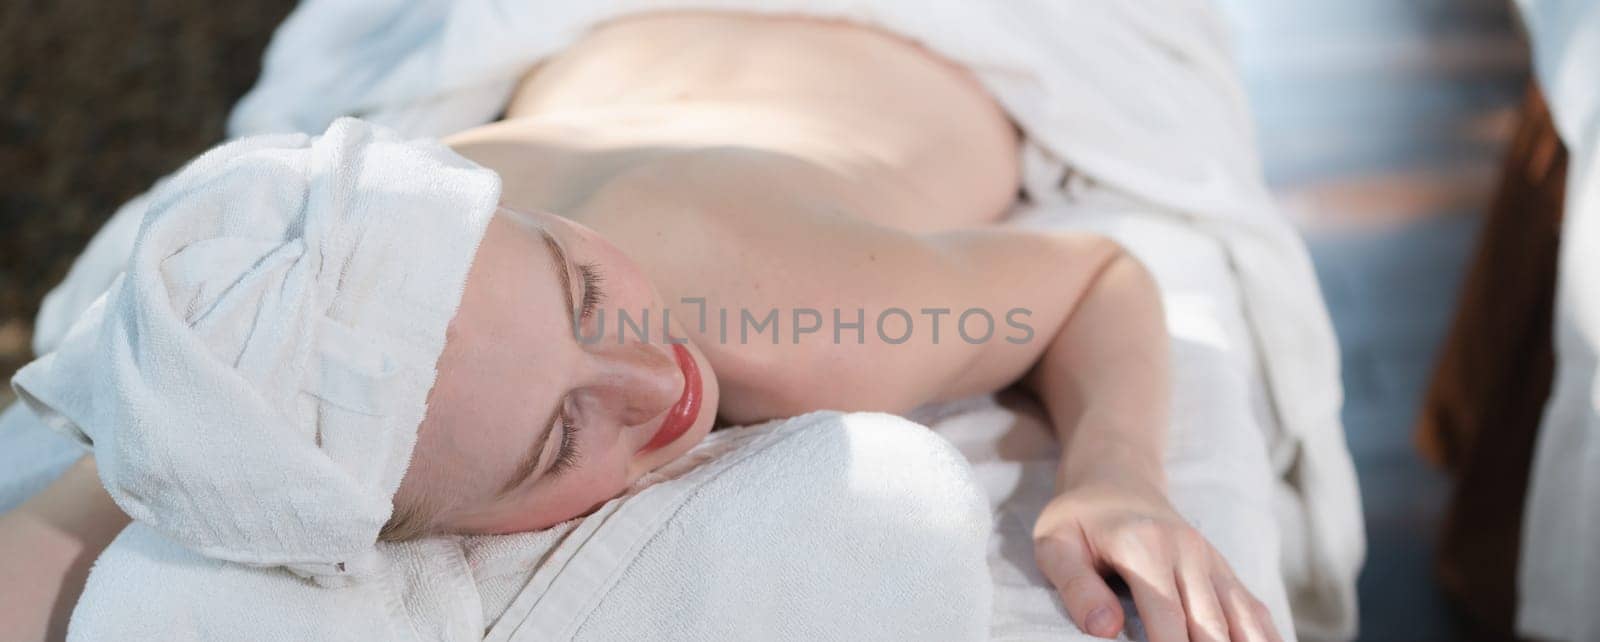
(1207, 622)
(1248, 619)
(1148, 569)
(1069, 565)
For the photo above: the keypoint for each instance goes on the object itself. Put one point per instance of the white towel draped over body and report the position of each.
(1135, 125)
(1559, 576)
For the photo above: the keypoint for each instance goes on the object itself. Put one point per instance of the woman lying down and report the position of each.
(667, 232)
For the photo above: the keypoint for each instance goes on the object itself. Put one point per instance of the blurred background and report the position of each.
(97, 101)
(1385, 128)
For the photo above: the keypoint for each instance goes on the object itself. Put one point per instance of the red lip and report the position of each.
(683, 413)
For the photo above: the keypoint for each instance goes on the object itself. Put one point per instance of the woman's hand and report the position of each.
(1182, 587)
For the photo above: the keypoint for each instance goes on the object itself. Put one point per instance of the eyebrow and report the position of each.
(530, 461)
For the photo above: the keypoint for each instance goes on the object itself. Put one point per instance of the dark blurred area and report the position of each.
(1384, 127)
(97, 101)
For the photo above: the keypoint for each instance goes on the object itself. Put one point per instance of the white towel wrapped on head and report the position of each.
(252, 385)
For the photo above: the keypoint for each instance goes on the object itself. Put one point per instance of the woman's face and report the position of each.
(529, 425)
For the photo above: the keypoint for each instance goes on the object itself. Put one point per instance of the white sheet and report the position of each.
(1132, 112)
(1559, 578)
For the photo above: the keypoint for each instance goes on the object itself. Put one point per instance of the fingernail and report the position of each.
(1099, 622)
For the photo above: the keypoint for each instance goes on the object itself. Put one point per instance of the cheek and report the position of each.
(580, 491)
(599, 475)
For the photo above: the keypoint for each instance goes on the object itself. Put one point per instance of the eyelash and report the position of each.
(592, 295)
(568, 455)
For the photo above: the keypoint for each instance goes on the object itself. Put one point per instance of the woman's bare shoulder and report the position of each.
(800, 303)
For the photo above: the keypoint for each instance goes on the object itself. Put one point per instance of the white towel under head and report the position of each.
(253, 383)
(825, 526)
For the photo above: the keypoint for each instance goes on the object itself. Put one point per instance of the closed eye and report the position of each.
(567, 452)
(567, 455)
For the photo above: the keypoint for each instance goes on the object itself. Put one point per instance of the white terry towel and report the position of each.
(147, 587)
(1559, 578)
(826, 526)
(1138, 97)
(253, 383)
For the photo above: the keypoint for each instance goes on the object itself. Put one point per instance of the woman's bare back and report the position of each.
(706, 144)
(906, 138)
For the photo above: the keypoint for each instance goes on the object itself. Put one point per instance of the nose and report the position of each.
(641, 380)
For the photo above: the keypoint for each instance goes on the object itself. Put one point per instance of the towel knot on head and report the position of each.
(253, 383)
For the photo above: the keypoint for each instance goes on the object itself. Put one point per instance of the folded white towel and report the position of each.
(827, 526)
(253, 384)
(148, 587)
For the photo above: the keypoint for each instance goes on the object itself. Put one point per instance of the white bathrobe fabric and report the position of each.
(1559, 575)
(1135, 125)
(253, 383)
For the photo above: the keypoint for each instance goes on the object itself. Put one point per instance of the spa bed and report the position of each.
(1257, 459)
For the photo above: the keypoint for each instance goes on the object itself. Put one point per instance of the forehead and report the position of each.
(503, 369)
(513, 298)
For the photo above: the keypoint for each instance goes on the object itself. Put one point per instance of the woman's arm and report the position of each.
(1102, 373)
(1096, 357)
(46, 548)
(1104, 381)
(774, 239)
